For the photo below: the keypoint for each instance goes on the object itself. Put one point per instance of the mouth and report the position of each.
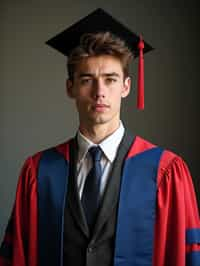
(99, 107)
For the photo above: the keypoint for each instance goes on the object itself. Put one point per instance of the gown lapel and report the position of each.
(73, 195)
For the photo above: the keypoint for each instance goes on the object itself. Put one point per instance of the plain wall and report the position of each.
(35, 112)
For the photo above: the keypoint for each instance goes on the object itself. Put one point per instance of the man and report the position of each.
(104, 197)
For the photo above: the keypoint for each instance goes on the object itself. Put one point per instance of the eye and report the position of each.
(111, 80)
(86, 81)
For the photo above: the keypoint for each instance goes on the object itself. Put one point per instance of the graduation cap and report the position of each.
(101, 21)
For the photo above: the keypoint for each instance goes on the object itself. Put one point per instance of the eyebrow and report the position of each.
(81, 75)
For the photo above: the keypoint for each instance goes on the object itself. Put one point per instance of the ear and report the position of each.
(69, 88)
(126, 87)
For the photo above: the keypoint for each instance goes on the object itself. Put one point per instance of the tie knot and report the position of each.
(95, 152)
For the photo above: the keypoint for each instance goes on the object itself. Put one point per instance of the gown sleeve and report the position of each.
(177, 229)
(19, 244)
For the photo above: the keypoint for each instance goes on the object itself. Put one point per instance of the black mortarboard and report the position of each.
(101, 21)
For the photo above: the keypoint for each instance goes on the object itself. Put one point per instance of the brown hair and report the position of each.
(95, 44)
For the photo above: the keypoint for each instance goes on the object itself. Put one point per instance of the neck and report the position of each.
(99, 132)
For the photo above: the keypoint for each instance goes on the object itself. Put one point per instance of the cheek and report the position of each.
(116, 95)
(84, 93)
(81, 103)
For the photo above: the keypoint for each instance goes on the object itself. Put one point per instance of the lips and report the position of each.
(100, 107)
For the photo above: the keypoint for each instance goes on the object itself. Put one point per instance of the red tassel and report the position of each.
(140, 94)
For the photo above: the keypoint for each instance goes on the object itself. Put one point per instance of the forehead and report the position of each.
(100, 65)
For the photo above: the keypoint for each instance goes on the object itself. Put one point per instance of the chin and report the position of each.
(101, 119)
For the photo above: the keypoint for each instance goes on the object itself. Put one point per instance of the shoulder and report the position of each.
(62, 148)
(169, 161)
(139, 145)
(30, 165)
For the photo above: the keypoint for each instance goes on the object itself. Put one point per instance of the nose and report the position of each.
(99, 89)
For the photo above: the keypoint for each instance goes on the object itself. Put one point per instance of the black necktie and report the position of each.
(91, 191)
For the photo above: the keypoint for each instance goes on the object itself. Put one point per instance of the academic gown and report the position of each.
(171, 237)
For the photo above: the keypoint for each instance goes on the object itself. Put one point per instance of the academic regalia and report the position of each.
(157, 220)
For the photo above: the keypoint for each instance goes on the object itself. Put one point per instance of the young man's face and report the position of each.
(98, 88)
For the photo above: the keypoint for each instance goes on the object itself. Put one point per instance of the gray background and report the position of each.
(34, 110)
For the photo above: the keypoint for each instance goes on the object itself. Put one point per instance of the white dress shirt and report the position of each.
(109, 146)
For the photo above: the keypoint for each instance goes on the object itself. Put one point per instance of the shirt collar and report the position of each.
(83, 146)
(109, 145)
